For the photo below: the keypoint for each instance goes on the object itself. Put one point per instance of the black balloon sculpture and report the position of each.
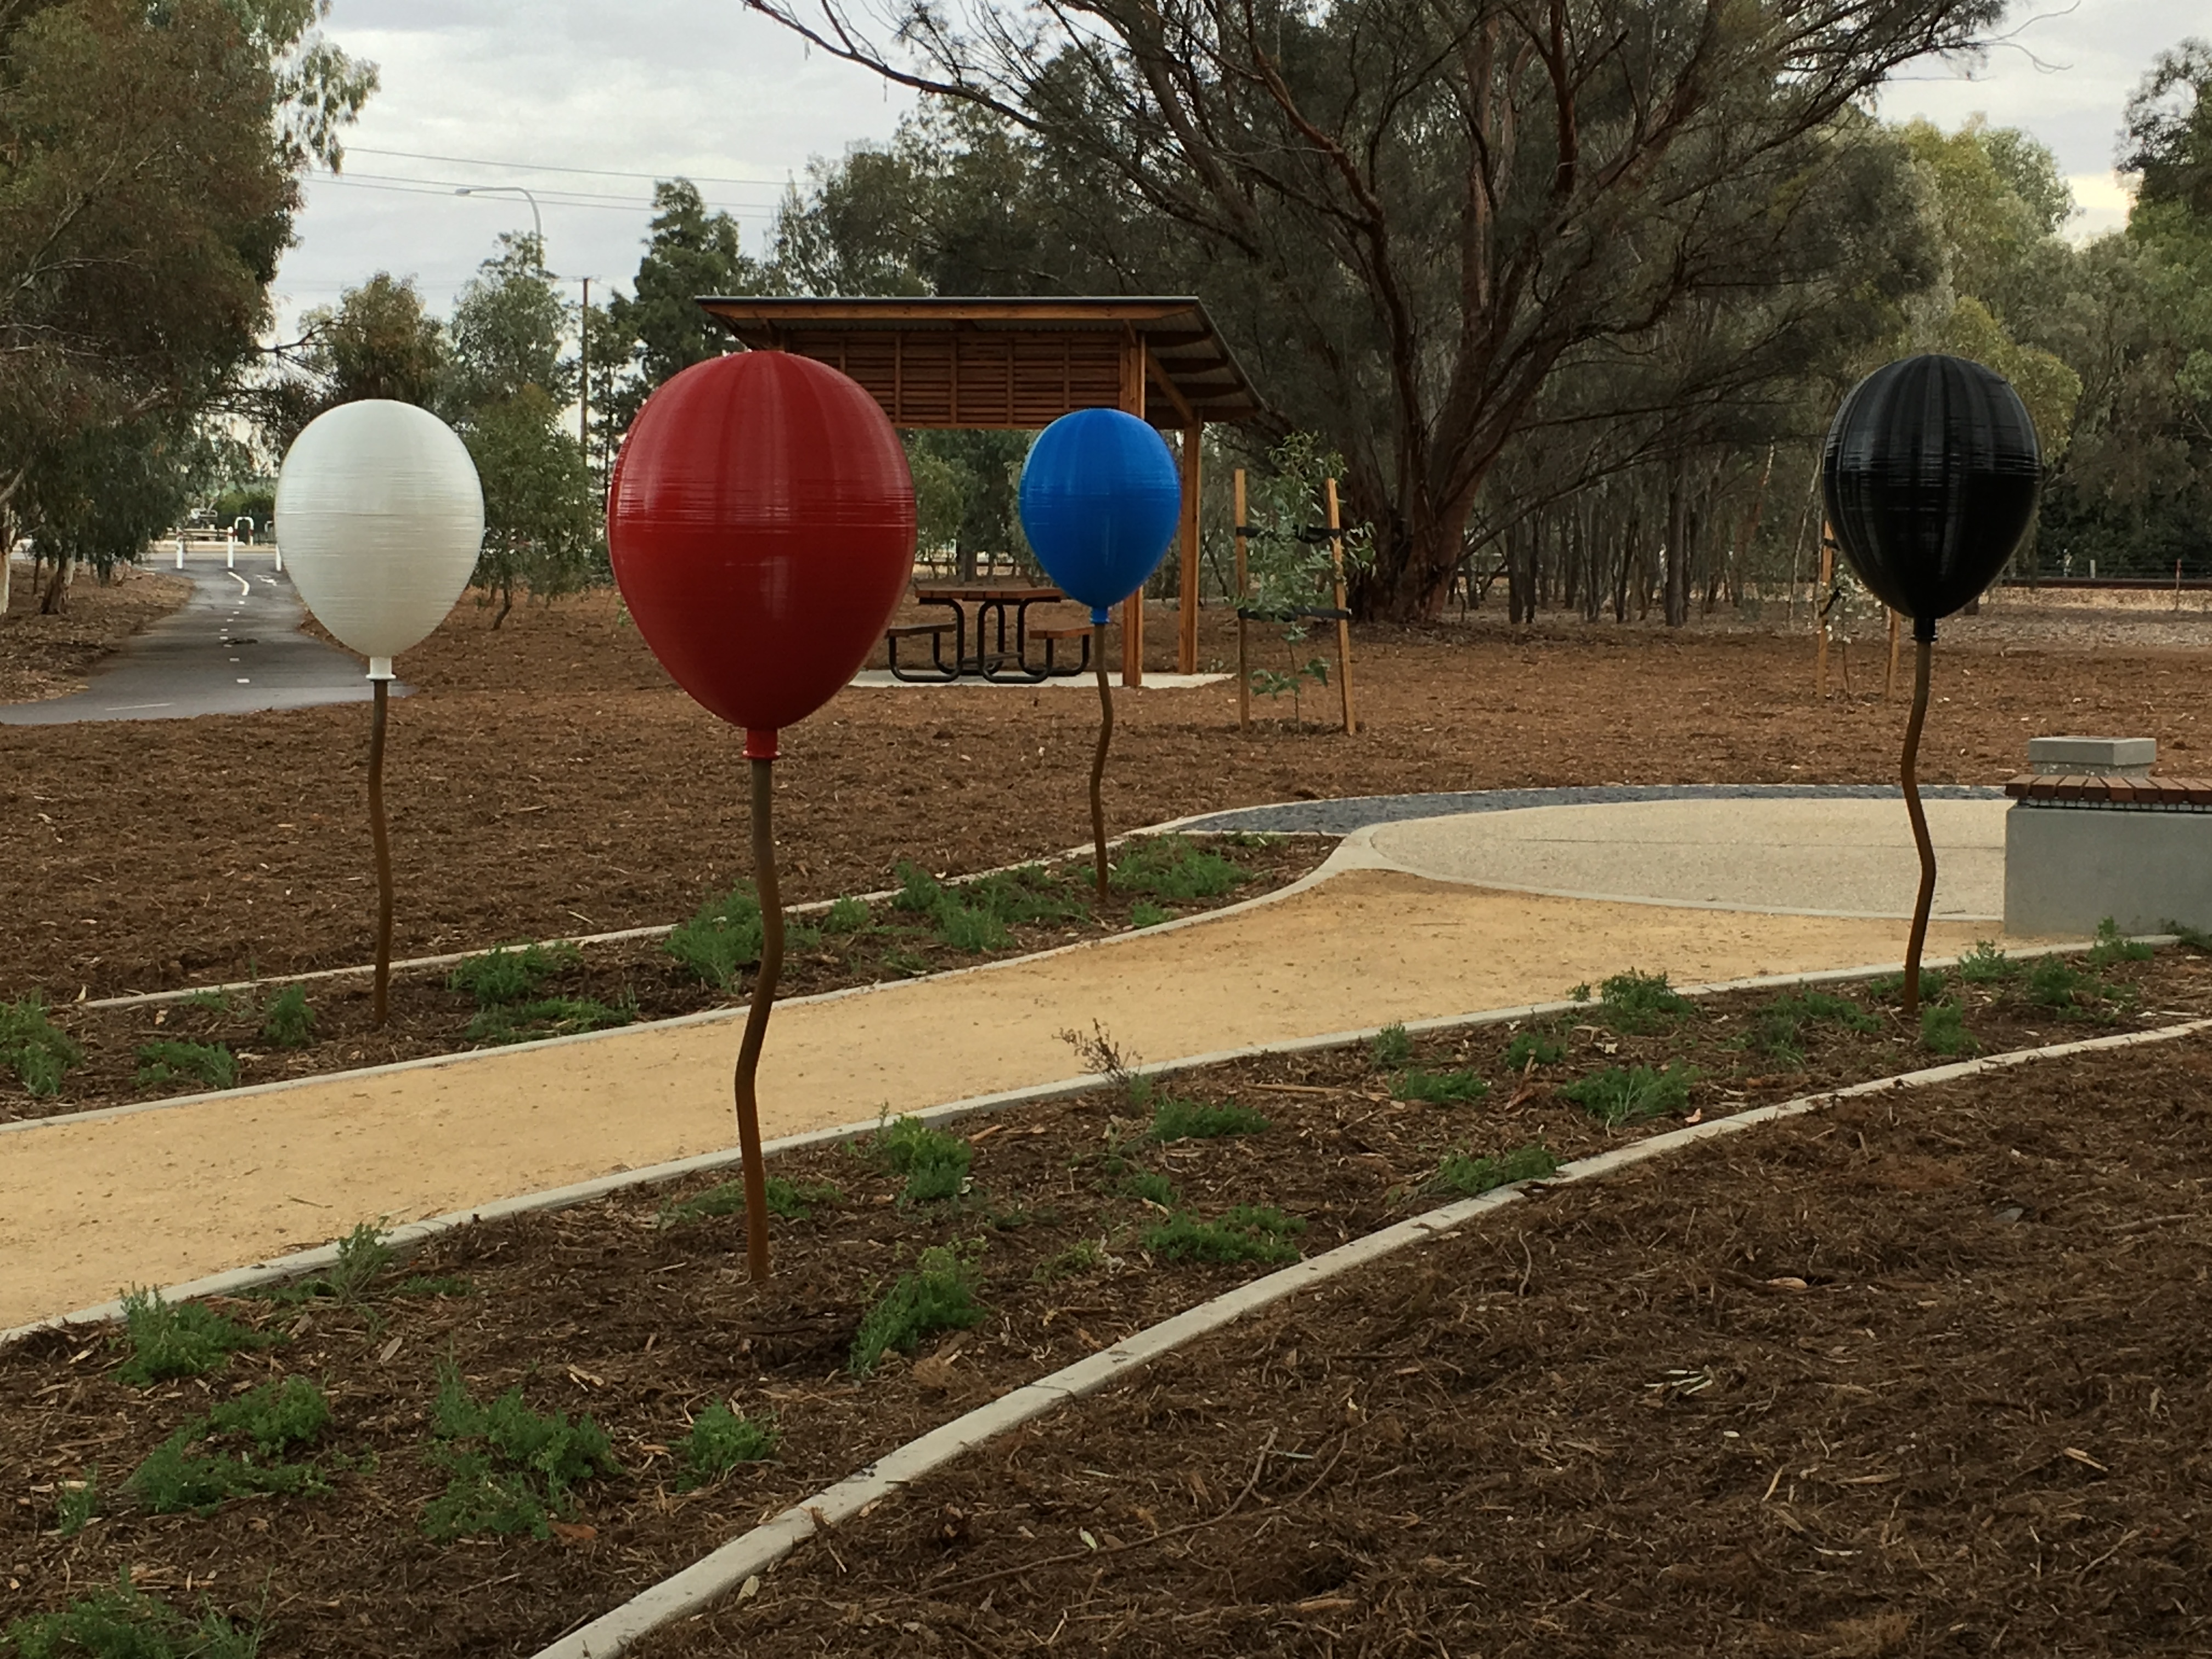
(1929, 477)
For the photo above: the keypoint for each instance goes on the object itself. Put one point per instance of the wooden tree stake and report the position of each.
(1343, 628)
(1244, 623)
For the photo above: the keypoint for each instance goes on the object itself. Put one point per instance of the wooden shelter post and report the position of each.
(1194, 443)
(1133, 608)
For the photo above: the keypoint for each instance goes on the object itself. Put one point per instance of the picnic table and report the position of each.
(991, 658)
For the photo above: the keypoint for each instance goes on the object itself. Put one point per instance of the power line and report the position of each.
(543, 167)
(600, 204)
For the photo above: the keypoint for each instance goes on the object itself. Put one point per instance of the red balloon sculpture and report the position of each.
(761, 524)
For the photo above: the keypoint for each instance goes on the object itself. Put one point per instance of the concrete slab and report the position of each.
(1812, 856)
(234, 648)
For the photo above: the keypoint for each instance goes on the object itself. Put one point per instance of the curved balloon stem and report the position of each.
(1098, 757)
(1910, 772)
(382, 840)
(763, 1000)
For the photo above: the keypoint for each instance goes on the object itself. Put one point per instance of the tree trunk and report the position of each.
(54, 601)
(1675, 576)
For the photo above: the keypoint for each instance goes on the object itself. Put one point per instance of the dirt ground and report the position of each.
(1913, 1376)
(43, 657)
(547, 779)
(639, 1316)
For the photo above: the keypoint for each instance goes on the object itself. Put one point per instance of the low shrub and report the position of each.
(935, 1164)
(1470, 1177)
(1145, 914)
(1175, 1119)
(1987, 965)
(790, 1199)
(511, 1468)
(1245, 1234)
(1536, 1047)
(938, 1295)
(1150, 1188)
(511, 973)
(1174, 868)
(2111, 947)
(171, 1339)
(1390, 1047)
(38, 1052)
(1777, 1030)
(1439, 1088)
(549, 1017)
(166, 1062)
(1943, 1029)
(275, 1418)
(719, 1440)
(1638, 1005)
(289, 1023)
(125, 1623)
(847, 916)
(1620, 1094)
(724, 935)
(76, 1502)
(1890, 987)
(1085, 1255)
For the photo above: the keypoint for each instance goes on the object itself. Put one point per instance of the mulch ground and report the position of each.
(1917, 1376)
(547, 780)
(611, 983)
(43, 657)
(2013, 1318)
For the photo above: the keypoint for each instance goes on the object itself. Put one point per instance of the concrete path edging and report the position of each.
(740, 1564)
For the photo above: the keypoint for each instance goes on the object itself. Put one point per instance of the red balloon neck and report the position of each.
(760, 743)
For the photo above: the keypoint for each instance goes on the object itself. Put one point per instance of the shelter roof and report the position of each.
(1012, 362)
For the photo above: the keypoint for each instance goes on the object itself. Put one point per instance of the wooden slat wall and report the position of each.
(981, 380)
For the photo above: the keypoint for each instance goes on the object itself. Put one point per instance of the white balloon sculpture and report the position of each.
(380, 516)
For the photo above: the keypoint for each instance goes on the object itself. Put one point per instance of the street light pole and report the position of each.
(537, 219)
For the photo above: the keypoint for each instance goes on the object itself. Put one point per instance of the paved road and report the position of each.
(236, 647)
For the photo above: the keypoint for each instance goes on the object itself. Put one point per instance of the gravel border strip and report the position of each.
(739, 1564)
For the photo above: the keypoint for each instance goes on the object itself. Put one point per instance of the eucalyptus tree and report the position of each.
(1408, 216)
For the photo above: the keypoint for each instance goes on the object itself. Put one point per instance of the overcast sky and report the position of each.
(483, 93)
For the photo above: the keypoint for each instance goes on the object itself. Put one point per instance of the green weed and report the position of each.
(1579, 992)
(182, 1339)
(511, 973)
(1620, 1094)
(1174, 868)
(1085, 1255)
(125, 1623)
(1145, 914)
(186, 1062)
(1439, 1088)
(974, 931)
(1987, 965)
(2195, 938)
(77, 1502)
(1175, 1119)
(938, 1295)
(38, 1052)
(1471, 1177)
(1151, 1188)
(1779, 1029)
(788, 1199)
(934, 1164)
(2111, 947)
(1637, 1005)
(289, 1023)
(1943, 1029)
(1538, 1046)
(847, 916)
(1390, 1047)
(1887, 987)
(1245, 1234)
(549, 1016)
(511, 1468)
(719, 1440)
(363, 1257)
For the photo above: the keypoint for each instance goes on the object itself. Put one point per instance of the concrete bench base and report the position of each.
(2067, 866)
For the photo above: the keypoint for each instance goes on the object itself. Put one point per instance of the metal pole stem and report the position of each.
(1098, 757)
(1910, 772)
(382, 841)
(764, 1000)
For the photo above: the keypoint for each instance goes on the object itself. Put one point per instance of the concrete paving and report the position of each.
(236, 647)
(1821, 856)
(1396, 929)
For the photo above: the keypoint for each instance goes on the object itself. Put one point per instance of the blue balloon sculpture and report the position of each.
(1100, 498)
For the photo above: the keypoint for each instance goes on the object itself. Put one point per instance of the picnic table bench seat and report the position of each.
(934, 633)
